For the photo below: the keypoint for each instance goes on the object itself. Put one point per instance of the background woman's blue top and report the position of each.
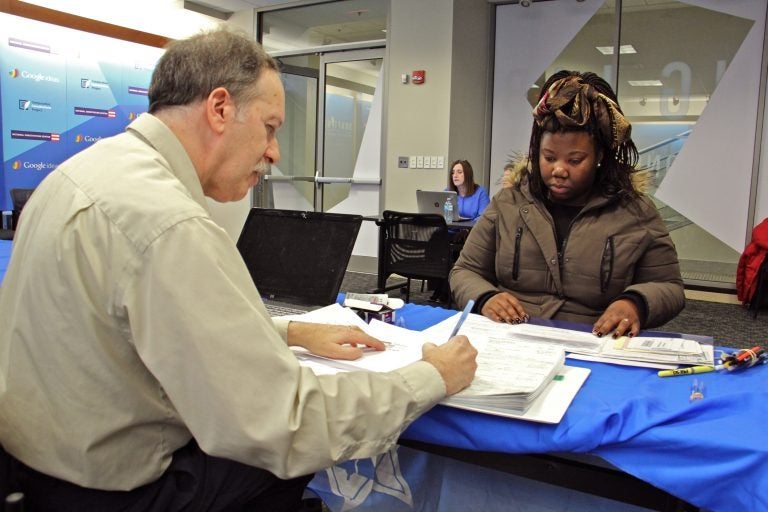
(472, 206)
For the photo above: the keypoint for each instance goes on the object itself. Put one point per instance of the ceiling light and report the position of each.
(525, 3)
(623, 49)
(645, 83)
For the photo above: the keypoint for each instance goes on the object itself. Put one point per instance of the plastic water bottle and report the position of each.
(448, 211)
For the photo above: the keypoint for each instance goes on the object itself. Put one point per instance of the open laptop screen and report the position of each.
(432, 201)
(298, 257)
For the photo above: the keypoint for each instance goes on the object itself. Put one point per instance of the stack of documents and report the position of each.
(654, 351)
(516, 378)
(511, 375)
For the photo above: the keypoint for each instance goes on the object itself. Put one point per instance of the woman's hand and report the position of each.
(621, 318)
(504, 307)
(335, 341)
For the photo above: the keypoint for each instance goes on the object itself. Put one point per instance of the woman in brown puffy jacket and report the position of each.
(574, 238)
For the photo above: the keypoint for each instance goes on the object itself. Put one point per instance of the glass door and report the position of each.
(333, 164)
(349, 137)
(291, 182)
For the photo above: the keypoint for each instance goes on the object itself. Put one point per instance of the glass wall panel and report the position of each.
(688, 79)
(349, 91)
(324, 24)
(679, 54)
(582, 53)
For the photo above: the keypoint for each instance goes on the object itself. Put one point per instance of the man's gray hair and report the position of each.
(193, 67)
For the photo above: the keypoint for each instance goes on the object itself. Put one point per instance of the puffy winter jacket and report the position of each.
(612, 248)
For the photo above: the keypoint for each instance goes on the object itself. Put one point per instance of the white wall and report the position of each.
(446, 116)
(417, 116)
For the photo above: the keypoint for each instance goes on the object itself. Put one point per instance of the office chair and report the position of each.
(19, 197)
(416, 246)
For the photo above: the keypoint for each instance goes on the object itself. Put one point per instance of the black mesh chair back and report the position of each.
(19, 197)
(416, 246)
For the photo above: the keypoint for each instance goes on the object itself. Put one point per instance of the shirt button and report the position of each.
(567, 260)
(552, 261)
(525, 210)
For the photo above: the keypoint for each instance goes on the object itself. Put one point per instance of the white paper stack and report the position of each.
(511, 374)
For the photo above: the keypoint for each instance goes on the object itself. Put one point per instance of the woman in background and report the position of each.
(472, 200)
(472, 197)
(574, 238)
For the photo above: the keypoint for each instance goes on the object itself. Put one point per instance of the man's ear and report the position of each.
(219, 108)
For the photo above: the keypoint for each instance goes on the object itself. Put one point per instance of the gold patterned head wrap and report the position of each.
(573, 102)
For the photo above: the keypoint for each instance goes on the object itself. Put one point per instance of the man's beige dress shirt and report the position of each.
(129, 324)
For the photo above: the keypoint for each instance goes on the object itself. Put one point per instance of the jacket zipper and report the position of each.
(606, 264)
(516, 261)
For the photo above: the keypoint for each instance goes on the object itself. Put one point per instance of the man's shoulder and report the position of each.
(133, 186)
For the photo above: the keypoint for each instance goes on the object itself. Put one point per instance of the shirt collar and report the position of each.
(164, 141)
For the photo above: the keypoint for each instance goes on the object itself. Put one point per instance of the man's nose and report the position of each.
(272, 154)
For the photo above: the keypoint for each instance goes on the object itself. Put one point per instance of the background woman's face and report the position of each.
(457, 174)
(568, 164)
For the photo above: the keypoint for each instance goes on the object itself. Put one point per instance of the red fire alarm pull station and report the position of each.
(418, 76)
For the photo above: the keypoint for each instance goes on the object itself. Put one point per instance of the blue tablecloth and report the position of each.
(711, 453)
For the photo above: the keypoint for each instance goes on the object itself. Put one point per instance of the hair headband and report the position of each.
(573, 102)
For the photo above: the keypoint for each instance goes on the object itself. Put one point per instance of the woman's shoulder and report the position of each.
(511, 198)
(480, 191)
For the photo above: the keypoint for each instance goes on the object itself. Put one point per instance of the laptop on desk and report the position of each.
(432, 201)
(297, 259)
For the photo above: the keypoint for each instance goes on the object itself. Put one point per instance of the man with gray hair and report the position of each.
(139, 369)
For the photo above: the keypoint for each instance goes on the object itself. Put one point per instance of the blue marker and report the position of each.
(463, 317)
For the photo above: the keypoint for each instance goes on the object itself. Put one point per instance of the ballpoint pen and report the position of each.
(463, 317)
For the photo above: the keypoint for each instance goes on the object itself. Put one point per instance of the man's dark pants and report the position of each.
(193, 482)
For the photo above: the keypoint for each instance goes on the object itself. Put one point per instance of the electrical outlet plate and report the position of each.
(402, 162)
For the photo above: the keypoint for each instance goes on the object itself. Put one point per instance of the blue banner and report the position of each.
(62, 90)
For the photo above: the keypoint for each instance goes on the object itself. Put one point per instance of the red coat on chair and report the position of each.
(750, 261)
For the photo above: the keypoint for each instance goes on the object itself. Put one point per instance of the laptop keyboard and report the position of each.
(278, 310)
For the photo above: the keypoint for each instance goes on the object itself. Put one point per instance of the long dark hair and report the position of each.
(469, 177)
(612, 177)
